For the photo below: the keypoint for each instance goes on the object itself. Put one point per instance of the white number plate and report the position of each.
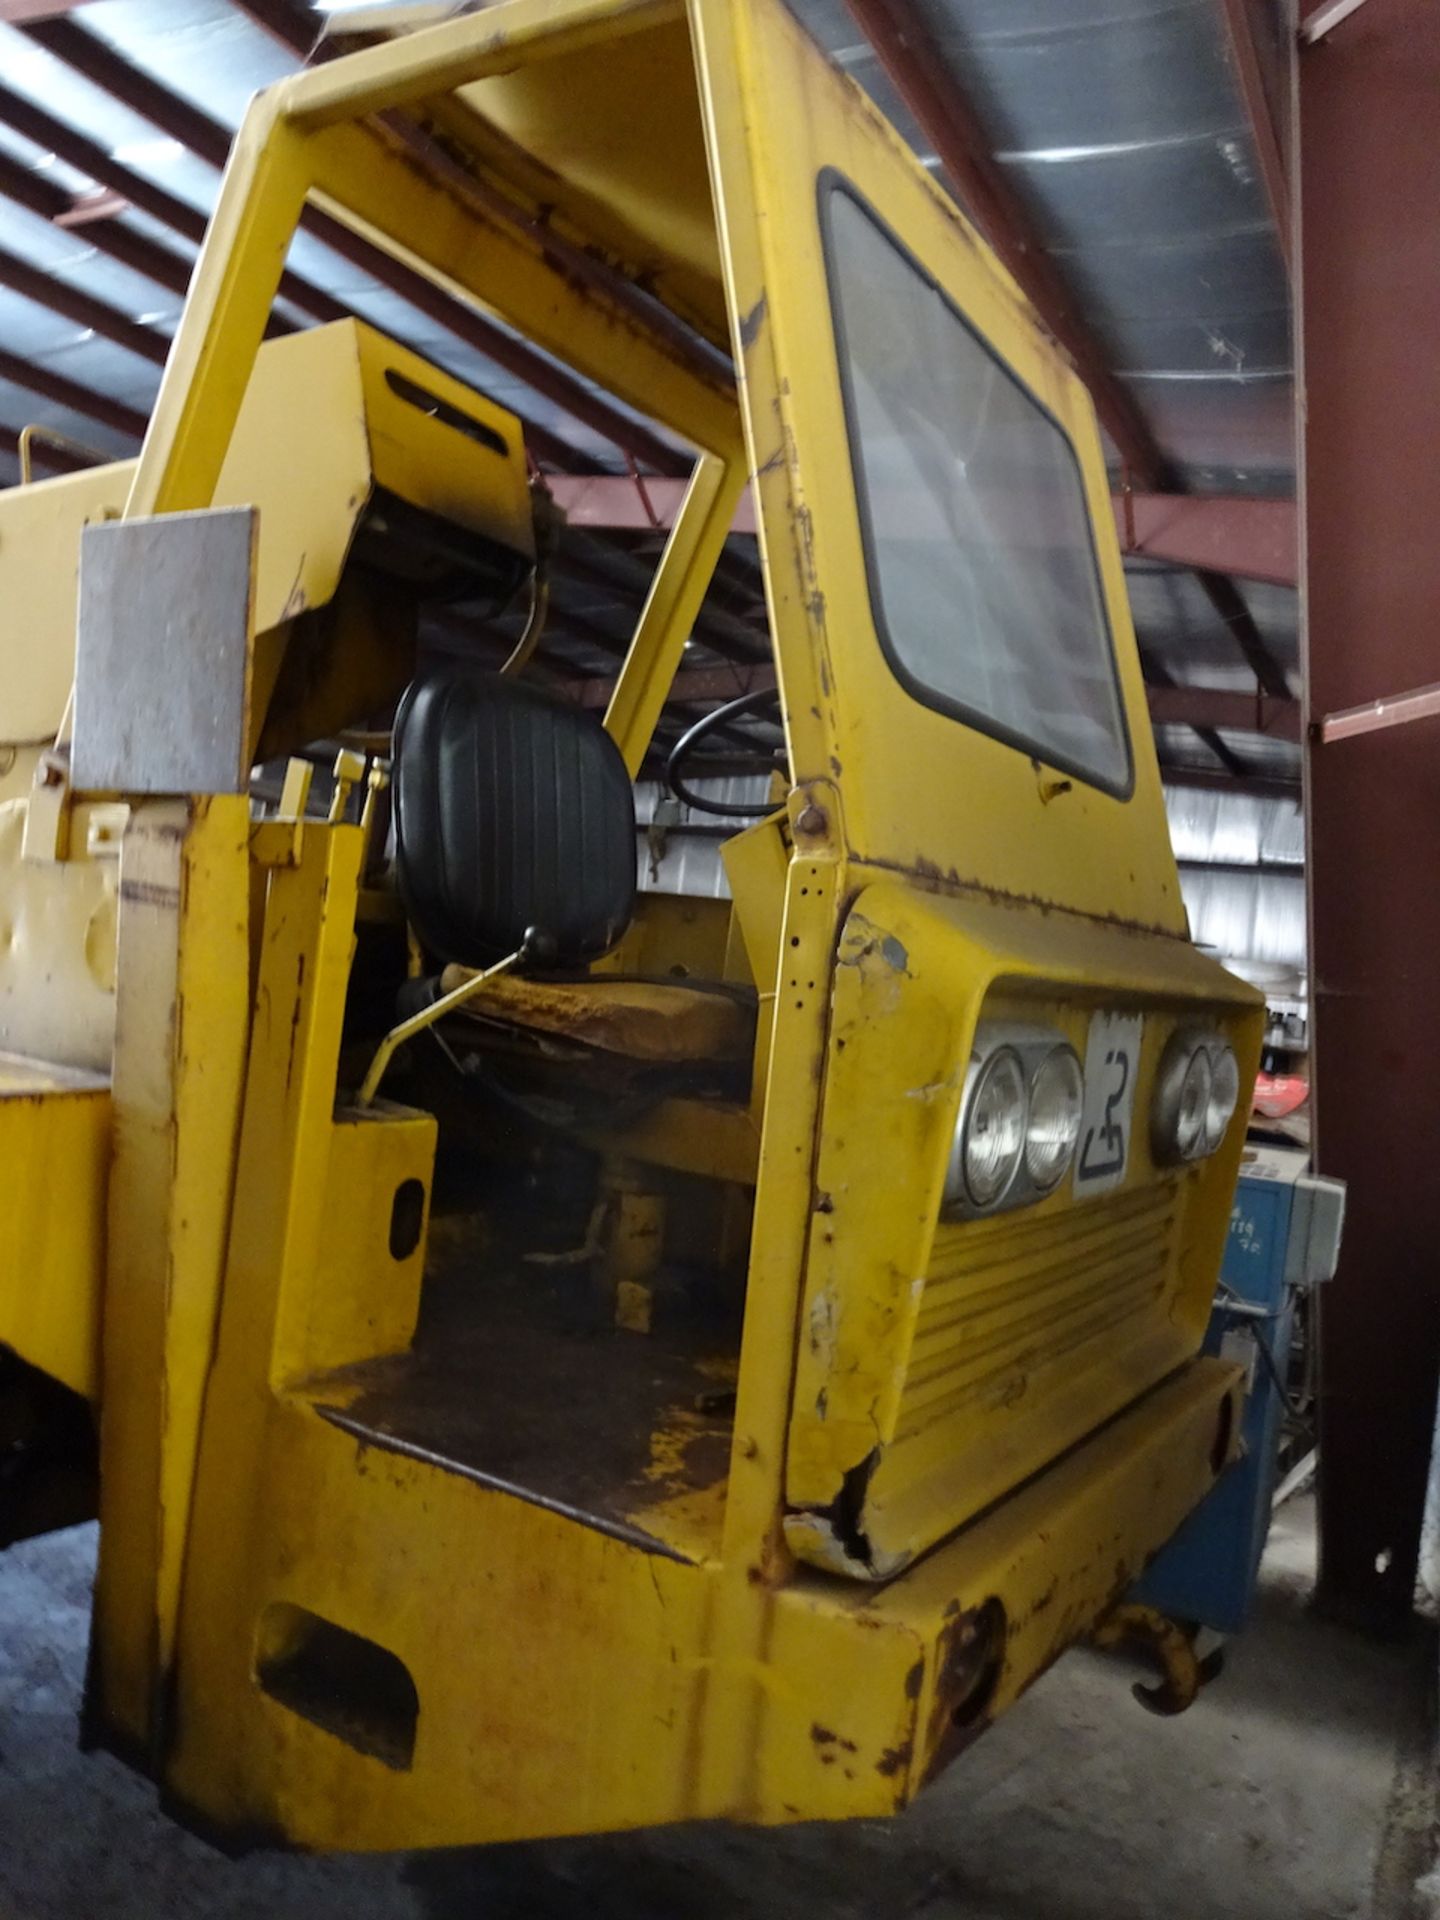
(1112, 1061)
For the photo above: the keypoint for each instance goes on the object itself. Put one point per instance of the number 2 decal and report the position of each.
(1112, 1055)
(1103, 1149)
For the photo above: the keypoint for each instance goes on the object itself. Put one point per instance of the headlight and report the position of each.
(1196, 1091)
(1224, 1096)
(1019, 1121)
(1057, 1094)
(990, 1142)
(1194, 1101)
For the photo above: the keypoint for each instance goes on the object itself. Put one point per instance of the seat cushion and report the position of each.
(513, 811)
(649, 1022)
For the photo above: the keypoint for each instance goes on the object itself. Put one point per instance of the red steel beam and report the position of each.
(1230, 609)
(99, 203)
(628, 579)
(1249, 539)
(297, 32)
(1369, 279)
(700, 686)
(1215, 707)
(106, 69)
(1240, 27)
(1254, 539)
(87, 156)
(18, 13)
(613, 503)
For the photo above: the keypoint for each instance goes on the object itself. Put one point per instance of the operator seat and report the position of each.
(515, 829)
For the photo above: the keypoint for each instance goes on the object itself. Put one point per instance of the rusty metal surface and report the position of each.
(1182, 1672)
(1369, 181)
(659, 1021)
(520, 1379)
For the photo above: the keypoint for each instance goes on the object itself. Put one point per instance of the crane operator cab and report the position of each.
(556, 1355)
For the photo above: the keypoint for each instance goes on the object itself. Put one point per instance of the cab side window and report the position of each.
(983, 575)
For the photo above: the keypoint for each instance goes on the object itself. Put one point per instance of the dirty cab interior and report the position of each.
(589, 1224)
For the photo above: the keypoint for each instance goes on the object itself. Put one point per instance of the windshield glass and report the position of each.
(983, 577)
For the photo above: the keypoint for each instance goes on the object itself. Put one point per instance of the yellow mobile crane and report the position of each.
(908, 1169)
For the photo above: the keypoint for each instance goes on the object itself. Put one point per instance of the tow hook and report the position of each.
(1183, 1672)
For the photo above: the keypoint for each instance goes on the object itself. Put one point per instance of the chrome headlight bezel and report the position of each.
(984, 1072)
(1032, 1047)
(1062, 1061)
(1220, 1109)
(1191, 1053)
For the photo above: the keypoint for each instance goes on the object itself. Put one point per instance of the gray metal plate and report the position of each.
(164, 654)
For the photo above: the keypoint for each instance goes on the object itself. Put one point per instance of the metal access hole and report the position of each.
(340, 1681)
(407, 1217)
(974, 1658)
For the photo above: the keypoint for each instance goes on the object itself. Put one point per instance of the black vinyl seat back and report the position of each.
(513, 812)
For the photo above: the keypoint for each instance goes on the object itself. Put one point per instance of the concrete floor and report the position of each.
(1299, 1786)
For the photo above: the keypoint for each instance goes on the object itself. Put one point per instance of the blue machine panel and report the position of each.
(1206, 1573)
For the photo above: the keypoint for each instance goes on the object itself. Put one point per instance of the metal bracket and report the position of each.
(1326, 18)
(1397, 710)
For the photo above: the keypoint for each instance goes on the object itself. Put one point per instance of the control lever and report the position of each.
(536, 949)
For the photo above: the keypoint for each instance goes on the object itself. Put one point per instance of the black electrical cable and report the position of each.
(1242, 1311)
(685, 746)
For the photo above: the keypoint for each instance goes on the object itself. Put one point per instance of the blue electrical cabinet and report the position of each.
(1284, 1236)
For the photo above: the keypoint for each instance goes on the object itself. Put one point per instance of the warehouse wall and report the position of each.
(1242, 872)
